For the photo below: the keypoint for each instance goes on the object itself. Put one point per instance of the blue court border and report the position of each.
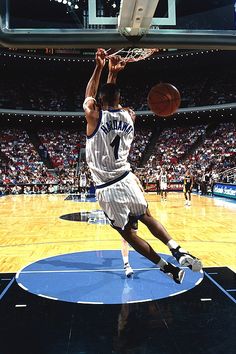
(220, 287)
(6, 288)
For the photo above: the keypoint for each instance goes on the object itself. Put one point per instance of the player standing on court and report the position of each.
(110, 131)
(188, 185)
(163, 178)
(82, 181)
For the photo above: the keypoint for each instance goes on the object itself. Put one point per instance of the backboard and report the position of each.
(118, 23)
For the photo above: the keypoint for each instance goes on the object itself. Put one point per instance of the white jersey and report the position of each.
(163, 178)
(83, 180)
(107, 149)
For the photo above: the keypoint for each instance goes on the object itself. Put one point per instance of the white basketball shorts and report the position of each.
(121, 200)
(82, 184)
(163, 186)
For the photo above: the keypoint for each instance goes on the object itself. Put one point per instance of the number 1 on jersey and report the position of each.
(116, 144)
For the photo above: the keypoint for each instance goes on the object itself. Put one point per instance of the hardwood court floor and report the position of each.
(193, 322)
(30, 229)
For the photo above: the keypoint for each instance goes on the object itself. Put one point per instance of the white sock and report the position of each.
(162, 263)
(172, 244)
(126, 259)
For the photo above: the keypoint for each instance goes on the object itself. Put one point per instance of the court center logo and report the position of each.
(91, 217)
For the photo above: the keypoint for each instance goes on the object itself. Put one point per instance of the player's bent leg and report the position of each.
(189, 198)
(143, 247)
(120, 218)
(155, 227)
(140, 245)
(186, 198)
(184, 258)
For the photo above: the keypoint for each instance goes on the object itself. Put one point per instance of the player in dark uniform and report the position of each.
(188, 185)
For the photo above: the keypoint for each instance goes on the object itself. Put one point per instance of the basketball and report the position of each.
(164, 99)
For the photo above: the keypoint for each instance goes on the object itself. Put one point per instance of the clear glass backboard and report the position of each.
(92, 23)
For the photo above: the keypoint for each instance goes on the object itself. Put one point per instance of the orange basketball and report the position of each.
(164, 99)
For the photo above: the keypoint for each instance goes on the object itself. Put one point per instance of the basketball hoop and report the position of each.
(133, 54)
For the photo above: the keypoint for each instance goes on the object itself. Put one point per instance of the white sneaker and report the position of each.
(189, 203)
(186, 202)
(186, 259)
(128, 270)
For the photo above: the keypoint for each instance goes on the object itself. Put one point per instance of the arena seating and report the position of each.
(171, 145)
(47, 98)
(217, 153)
(23, 165)
(62, 146)
(60, 86)
(140, 142)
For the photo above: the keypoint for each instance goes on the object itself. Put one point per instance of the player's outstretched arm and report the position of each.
(92, 86)
(90, 107)
(116, 64)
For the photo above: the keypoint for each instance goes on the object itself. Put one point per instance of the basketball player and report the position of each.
(188, 185)
(157, 177)
(163, 184)
(110, 131)
(82, 182)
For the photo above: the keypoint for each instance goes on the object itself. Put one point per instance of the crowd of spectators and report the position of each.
(20, 162)
(214, 155)
(43, 85)
(63, 146)
(41, 97)
(172, 144)
(141, 140)
(54, 86)
(45, 97)
(22, 169)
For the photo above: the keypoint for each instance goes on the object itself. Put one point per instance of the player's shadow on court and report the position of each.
(111, 271)
(107, 262)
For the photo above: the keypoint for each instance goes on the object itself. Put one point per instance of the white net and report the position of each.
(133, 54)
